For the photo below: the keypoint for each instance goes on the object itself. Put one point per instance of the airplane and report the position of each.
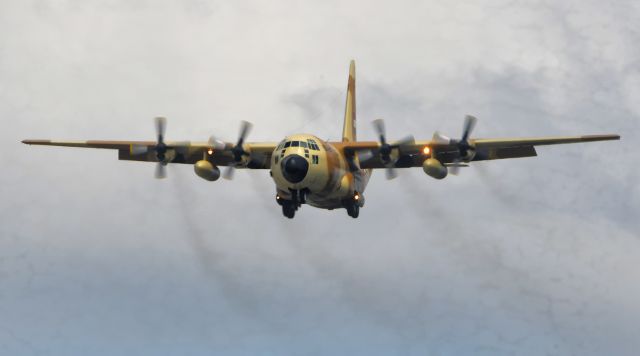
(325, 174)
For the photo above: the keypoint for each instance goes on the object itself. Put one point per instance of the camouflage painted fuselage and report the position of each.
(329, 181)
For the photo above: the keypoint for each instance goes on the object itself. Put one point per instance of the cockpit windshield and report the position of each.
(310, 144)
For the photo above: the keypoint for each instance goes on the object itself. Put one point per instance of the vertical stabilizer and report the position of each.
(349, 129)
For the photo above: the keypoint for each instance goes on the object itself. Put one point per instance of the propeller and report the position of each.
(463, 144)
(238, 151)
(386, 148)
(161, 148)
(164, 153)
(161, 171)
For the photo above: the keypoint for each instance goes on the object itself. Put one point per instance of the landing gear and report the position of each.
(299, 197)
(353, 205)
(353, 210)
(289, 209)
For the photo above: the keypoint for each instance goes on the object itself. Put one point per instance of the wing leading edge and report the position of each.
(413, 155)
(488, 149)
(185, 152)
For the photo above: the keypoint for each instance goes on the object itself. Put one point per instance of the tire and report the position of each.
(353, 210)
(288, 210)
(356, 211)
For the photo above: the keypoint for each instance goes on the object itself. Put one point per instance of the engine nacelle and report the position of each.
(245, 158)
(434, 168)
(205, 170)
(471, 152)
(169, 156)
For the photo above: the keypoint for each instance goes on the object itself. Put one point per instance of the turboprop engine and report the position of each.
(434, 168)
(466, 151)
(205, 170)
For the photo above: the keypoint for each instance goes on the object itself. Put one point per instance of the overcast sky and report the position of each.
(531, 256)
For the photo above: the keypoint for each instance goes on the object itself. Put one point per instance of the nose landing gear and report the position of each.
(289, 209)
(290, 206)
(298, 197)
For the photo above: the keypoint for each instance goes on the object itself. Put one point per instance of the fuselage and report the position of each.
(304, 163)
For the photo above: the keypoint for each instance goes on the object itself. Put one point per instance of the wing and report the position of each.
(185, 152)
(487, 149)
(412, 155)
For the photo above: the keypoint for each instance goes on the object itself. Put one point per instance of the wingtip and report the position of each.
(35, 142)
(601, 137)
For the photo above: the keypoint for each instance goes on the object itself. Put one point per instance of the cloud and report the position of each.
(520, 256)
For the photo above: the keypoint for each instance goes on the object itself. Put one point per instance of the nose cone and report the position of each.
(294, 168)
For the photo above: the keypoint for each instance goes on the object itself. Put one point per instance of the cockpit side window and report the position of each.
(287, 144)
(313, 145)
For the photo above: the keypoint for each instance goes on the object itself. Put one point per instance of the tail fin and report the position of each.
(349, 129)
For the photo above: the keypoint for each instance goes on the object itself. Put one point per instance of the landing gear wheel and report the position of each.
(353, 210)
(288, 209)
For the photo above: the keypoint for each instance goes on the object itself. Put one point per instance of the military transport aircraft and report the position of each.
(327, 175)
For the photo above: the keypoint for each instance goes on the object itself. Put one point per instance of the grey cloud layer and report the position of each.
(529, 256)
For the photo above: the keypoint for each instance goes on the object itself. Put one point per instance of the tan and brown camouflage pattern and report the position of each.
(340, 172)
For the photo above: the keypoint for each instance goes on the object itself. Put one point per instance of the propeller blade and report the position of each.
(409, 140)
(228, 173)
(454, 169)
(440, 138)
(161, 126)
(469, 124)
(216, 144)
(161, 171)
(378, 125)
(245, 128)
(390, 173)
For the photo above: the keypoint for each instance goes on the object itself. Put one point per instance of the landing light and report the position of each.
(356, 197)
(426, 150)
(210, 151)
